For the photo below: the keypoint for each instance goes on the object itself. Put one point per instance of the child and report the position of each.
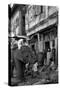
(35, 69)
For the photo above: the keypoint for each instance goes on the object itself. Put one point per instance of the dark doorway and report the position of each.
(47, 45)
(33, 47)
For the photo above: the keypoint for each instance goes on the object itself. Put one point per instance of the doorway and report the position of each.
(47, 45)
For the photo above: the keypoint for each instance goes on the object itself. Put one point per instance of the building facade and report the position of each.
(41, 24)
(18, 21)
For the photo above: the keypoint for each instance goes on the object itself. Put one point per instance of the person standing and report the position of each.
(48, 56)
(53, 54)
(45, 56)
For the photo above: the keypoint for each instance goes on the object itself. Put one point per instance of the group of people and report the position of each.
(50, 57)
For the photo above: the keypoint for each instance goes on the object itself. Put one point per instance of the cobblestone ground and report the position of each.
(43, 78)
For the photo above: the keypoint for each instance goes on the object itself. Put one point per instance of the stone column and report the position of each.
(46, 13)
(38, 42)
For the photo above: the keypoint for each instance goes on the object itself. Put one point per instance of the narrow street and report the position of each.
(33, 44)
(45, 77)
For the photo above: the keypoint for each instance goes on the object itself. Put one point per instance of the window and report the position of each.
(17, 22)
(31, 12)
(41, 9)
(38, 10)
(50, 7)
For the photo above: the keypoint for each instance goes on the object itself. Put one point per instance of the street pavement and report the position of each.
(42, 78)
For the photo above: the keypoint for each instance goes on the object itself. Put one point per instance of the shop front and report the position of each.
(50, 41)
(45, 40)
